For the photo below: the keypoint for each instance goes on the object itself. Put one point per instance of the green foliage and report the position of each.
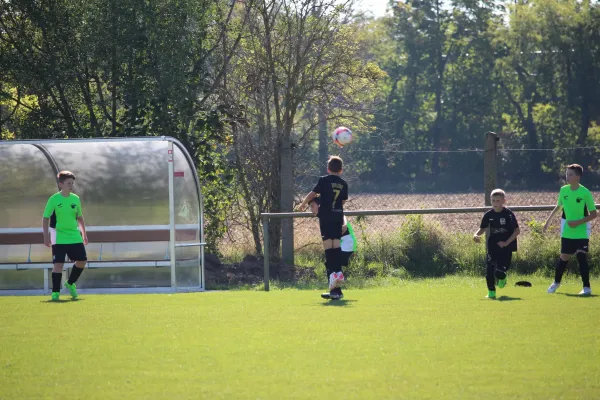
(421, 249)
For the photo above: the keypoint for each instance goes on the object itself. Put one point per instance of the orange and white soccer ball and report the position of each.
(342, 136)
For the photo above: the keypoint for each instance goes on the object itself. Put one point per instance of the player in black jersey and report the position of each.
(333, 193)
(503, 229)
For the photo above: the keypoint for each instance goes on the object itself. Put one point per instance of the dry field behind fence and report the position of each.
(307, 229)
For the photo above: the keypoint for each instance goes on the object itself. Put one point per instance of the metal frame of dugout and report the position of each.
(176, 241)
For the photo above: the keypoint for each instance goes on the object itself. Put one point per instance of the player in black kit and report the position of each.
(503, 229)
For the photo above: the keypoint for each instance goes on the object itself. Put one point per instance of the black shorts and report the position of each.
(501, 259)
(346, 257)
(331, 226)
(572, 246)
(75, 252)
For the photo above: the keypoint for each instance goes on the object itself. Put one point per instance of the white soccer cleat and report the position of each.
(336, 280)
(553, 287)
(586, 291)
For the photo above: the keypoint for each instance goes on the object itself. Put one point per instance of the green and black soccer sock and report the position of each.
(584, 269)
(561, 265)
(56, 277)
(74, 275)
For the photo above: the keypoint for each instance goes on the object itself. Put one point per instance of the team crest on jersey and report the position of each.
(502, 221)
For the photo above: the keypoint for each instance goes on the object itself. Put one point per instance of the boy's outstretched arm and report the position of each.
(556, 210)
(309, 197)
(511, 239)
(476, 235)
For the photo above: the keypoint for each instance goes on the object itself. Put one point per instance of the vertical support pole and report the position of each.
(266, 251)
(173, 257)
(201, 222)
(46, 281)
(490, 157)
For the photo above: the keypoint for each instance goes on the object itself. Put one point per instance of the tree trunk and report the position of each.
(323, 140)
(287, 196)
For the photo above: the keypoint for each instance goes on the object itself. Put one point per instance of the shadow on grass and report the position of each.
(578, 295)
(60, 301)
(508, 298)
(338, 303)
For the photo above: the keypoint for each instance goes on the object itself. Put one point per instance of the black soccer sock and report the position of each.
(490, 279)
(56, 277)
(584, 269)
(75, 273)
(500, 273)
(337, 254)
(561, 265)
(330, 262)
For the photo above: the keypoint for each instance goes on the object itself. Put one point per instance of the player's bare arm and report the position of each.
(511, 239)
(556, 210)
(307, 200)
(81, 223)
(45, 228)
(477, 235)
(583, 220)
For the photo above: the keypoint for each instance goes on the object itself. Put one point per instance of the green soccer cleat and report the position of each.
(72, 289)
(491, 294)
(502, 283)
(55, 296)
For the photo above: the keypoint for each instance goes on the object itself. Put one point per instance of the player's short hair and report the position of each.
(64, 175)
(498, 192)
(577, 168)
(335, 164)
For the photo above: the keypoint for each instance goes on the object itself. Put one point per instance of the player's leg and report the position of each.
(58, 260)
(566, 250)
(77, 253)
(502, 267)
(490, 278)
(337, 279)
(584, 268)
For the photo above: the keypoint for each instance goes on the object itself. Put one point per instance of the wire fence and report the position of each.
(459, 182)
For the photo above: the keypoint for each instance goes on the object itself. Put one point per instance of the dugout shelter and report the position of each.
(141, 201)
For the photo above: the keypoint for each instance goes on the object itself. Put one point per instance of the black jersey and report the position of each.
(502, 225)
(333, 190)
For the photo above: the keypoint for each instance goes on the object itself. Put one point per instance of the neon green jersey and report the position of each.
(66, 210)
(348, 241)
(576, 204)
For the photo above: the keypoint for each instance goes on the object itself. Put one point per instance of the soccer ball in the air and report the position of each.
(342, 136)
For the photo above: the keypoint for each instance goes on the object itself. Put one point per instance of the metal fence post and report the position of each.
(266, 251)
(490, 156)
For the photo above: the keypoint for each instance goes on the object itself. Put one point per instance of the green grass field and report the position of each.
(421, 339)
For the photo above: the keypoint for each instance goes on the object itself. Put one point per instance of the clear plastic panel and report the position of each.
(21, 280)
(187, 227)
(27, 181)
(120, 183)
(138, 277)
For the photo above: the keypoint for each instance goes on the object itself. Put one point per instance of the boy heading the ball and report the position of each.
(348, 244)
(333, 193)
(502, 227)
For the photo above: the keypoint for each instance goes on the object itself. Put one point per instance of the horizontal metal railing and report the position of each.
(267, 216)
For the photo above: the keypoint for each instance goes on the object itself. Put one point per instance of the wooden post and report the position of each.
(490, 157)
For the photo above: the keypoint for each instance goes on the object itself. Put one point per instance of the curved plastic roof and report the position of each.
(124, 187)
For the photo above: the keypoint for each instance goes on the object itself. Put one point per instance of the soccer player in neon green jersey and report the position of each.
(65, 207)
(579, 209)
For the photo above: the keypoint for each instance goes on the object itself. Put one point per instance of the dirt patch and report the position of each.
(250, 271)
